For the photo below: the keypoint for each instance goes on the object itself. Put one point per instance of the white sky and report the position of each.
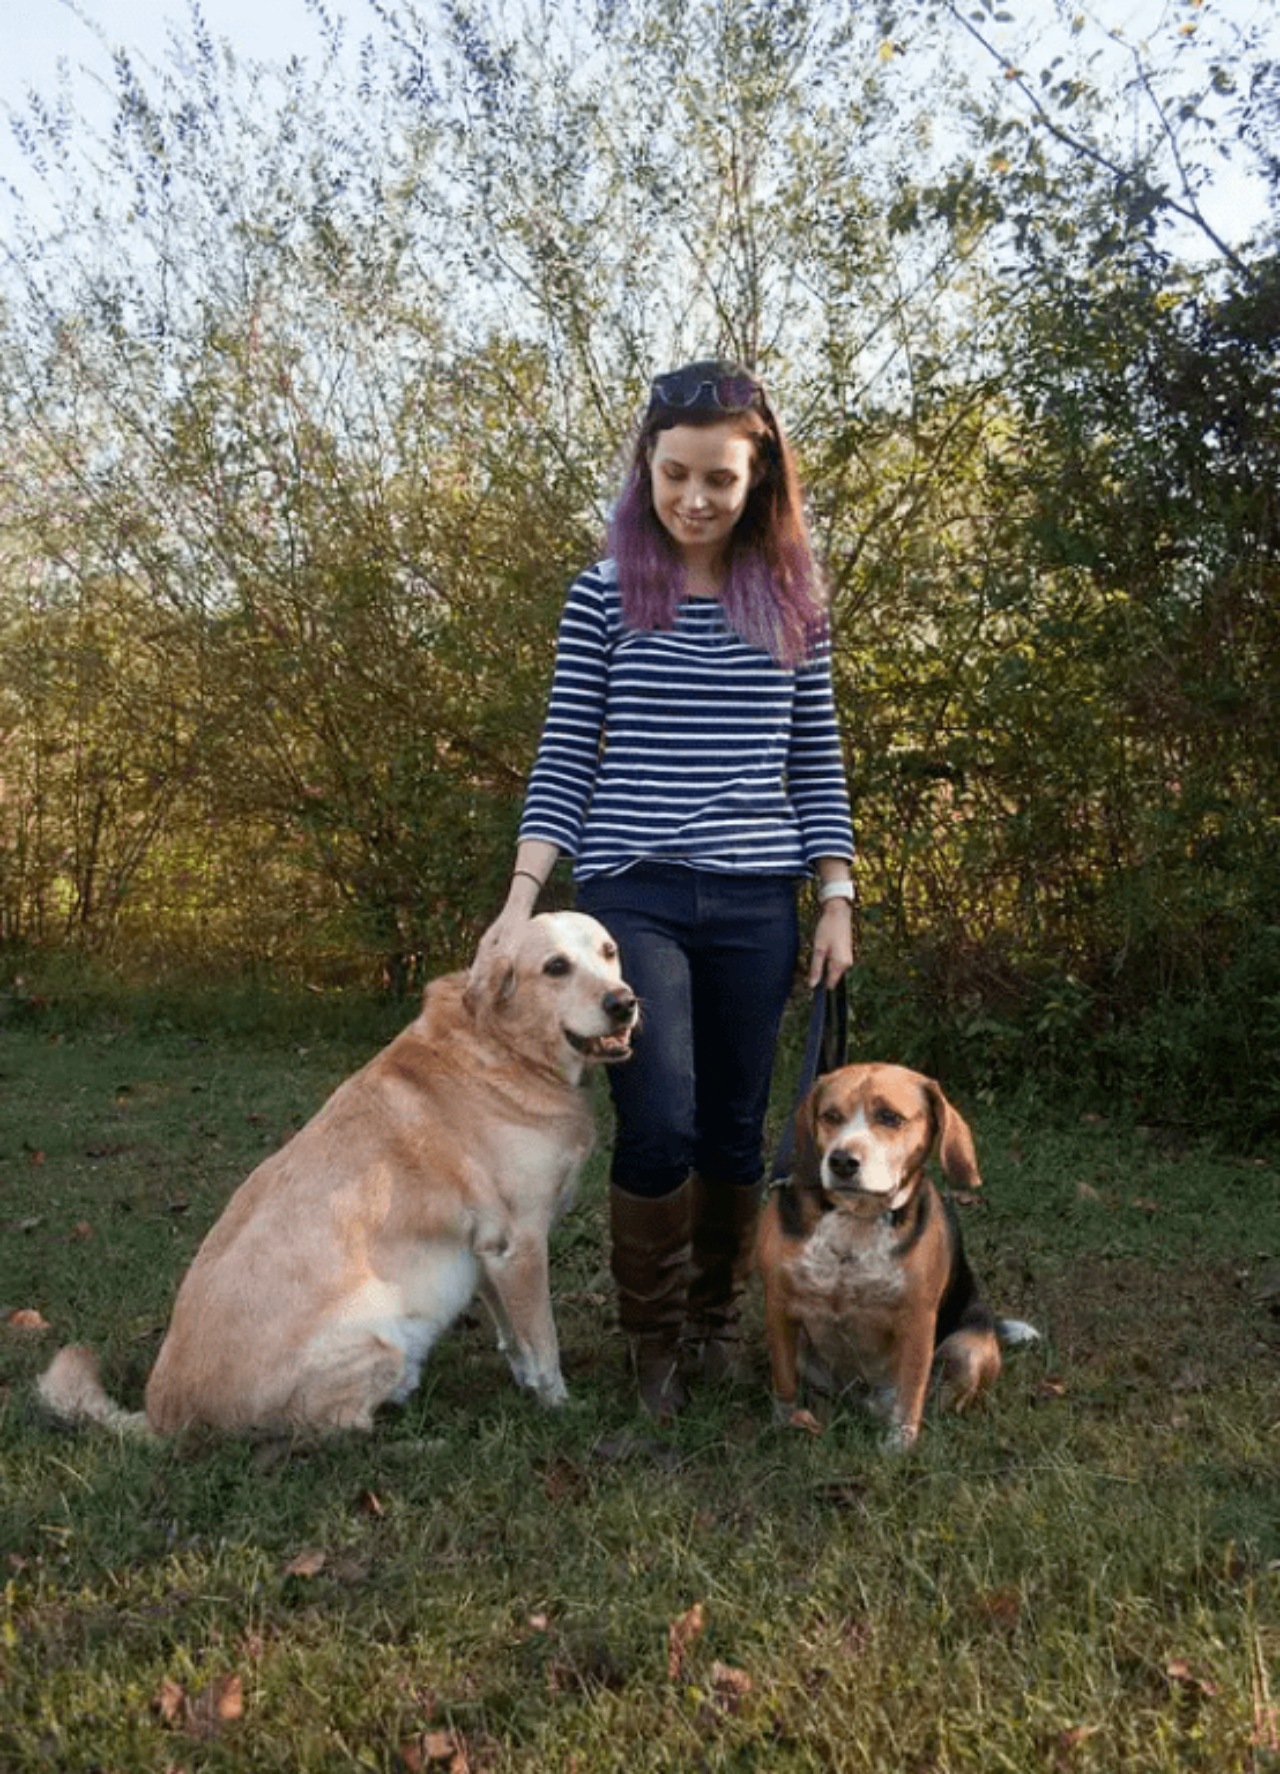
(35, 33)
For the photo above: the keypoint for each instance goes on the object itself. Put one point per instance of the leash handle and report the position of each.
(826, 1050)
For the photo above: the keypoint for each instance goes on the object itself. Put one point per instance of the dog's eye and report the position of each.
(888, 1118)
(557, 966)
(610, 951)
(831, 1117)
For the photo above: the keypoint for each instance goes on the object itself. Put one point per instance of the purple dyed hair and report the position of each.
(773, 594)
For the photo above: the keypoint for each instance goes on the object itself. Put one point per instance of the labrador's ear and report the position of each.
(953, 1141)
(490, 984)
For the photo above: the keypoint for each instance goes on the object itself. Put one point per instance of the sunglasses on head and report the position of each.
(730, 393)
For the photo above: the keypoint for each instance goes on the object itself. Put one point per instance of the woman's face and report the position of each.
(701, 476)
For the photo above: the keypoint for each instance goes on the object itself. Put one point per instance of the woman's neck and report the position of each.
(704, 578)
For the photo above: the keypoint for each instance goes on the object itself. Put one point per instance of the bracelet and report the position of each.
(835, 890)
(537, 880)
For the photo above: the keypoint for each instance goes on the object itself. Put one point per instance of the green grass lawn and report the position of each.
(1083, 1577)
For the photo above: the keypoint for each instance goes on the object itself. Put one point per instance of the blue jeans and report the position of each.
(712, 959)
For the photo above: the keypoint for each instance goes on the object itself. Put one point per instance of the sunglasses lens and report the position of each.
(735, 393)
(676, 390)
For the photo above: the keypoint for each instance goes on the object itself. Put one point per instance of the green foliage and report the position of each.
(314, 391)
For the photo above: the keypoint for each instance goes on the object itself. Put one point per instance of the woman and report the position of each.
(690, 764)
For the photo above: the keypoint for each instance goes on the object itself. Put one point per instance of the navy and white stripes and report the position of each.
(684, 745)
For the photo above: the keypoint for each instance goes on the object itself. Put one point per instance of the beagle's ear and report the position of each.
(953, 1141)
(490, 983)
(807, 1173)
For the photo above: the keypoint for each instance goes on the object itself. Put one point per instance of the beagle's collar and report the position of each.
(893, 1217)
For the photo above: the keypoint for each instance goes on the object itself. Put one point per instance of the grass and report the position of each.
(1084, 1577)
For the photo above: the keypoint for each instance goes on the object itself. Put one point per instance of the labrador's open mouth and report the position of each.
(608, 1049)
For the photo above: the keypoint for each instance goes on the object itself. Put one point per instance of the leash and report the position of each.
(825, 1051)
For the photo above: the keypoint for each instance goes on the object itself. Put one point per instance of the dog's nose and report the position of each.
(844, 1166)
(620, 1005)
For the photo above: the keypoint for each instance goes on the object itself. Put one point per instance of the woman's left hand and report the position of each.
(832, 944)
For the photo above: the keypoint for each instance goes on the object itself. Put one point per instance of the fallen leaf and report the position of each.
(206, 1715)
(81, 1232)
(681, 1636)
(36, 1157)
(170, 1700)
(1002, 1606)
(1181, 1674)
(1266, 1727)
(966, 1198)
(1052, 1389)
(729, 1685)
(218, 1705)
(1075, 1735)
(308, 1563)
(1087, 1192)
(371, 1504)
(1145, 1204)
(26, 1318)
(442, 1746)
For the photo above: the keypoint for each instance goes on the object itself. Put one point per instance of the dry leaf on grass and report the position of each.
(729, 1685)
(1002, 1607)
(307, 1563)
(1071, 1740)
(206, 1714)
(682, 1634)
(26, 1318)
(435, 1749)
(1266, 1728)
(170, 1701)
(1181, 1674)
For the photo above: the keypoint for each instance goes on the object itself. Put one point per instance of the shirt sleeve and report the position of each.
(816, 779)
(564, 769)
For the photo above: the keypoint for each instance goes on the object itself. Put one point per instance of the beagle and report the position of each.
(865, 1278)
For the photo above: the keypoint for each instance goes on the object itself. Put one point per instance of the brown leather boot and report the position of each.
(724, 1236)
(650, 1264)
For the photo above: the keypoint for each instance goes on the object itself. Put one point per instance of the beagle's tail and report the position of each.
(1015, 1331)
(72, 1389)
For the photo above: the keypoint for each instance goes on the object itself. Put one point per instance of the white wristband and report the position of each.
(835, 890)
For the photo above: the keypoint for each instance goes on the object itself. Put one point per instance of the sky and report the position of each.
(37, 34)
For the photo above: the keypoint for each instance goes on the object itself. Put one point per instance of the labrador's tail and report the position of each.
(72, 1388)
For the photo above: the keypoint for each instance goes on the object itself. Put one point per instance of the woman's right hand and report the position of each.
(501, 941)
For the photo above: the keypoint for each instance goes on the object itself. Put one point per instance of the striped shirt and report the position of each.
(684, 745)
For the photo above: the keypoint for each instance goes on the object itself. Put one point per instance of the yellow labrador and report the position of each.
(435, 1171)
